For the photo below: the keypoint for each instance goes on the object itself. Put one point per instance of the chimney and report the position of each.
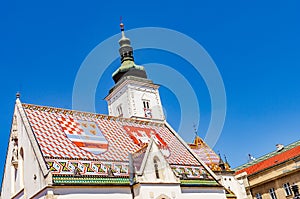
(279, 147)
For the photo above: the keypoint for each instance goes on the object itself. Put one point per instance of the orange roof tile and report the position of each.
(272, 160)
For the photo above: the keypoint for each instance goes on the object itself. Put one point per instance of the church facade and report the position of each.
(133, 152)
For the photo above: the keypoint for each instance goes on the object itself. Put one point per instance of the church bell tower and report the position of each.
(134, 95)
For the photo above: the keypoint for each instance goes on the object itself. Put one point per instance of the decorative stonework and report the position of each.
(14, 139)
(81, 167)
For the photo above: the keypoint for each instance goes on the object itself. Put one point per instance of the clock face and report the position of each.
(148, 113)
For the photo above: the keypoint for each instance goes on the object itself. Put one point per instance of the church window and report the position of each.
(272, 193)
(147, 110)
(163, 196)
(155, 161)
(21, 167)
(146, 104)
(16, 174)
(120, 110)
(287, 189)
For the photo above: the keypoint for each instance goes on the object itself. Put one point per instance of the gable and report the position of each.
(154, 167)
(24, 164)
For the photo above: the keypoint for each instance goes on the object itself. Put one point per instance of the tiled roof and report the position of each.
(271, 159)
(138, 157)
(207, 155)
(69, 141)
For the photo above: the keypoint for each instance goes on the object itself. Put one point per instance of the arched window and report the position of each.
(163, 196)
(156, 161)
(21, 168)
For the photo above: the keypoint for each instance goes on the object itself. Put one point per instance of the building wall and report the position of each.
(275, 172)
(277, 184)
(231, 183)
(27, 175)
(275, 177)
(174, 191)
(85, 192)
(154, 191)
(131, 95)
(121, 98)
(202, 192)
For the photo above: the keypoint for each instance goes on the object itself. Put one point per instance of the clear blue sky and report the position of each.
(255, 45)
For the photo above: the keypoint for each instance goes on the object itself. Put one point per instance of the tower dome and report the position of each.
(128, 66)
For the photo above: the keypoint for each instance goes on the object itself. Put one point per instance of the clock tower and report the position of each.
(134, 95)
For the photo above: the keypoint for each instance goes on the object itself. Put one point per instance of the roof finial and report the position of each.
(225, 159)
(18, 95)
(122, 27)
(125, 50)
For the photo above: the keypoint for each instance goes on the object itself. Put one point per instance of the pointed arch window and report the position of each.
(163, 196)
(156, 168)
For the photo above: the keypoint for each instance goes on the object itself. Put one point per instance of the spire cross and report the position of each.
(195, 130)
(122, 26)
(225, 158)
(18, 94)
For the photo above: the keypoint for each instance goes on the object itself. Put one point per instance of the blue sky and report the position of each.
(255, 45)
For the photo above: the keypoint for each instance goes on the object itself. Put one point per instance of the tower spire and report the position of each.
(221, 162)
(126, 98)
(128, 67)
(125, 50)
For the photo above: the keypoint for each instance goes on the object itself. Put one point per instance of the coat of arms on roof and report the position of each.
(142, 136)
(84, 134)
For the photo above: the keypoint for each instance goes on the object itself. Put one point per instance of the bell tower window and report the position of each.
(147, 110)
(146, 104)
(120, 111)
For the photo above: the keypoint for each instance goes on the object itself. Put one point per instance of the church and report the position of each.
(130, 153)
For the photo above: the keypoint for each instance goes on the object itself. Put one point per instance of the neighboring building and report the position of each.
(234, 187)
(272, 175)
(57, 153)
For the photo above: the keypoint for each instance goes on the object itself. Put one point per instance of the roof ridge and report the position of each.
(267, 155)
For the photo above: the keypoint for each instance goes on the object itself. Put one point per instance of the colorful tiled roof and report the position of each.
(271, 159)
(95, 144)
(138, 157)
(206, 154)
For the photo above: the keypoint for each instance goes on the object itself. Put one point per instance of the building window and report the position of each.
(120, 110)
(155, 161)
(146, 104)
(258, 196)
(21, 167)
(287, 189)
(147, 110)
(272, 193)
